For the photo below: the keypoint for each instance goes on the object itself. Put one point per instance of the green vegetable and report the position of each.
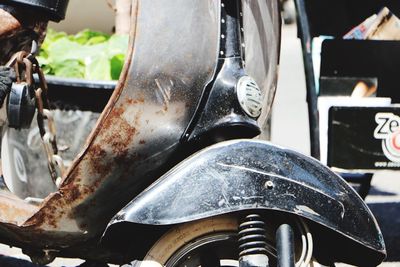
(117, 62)
(88, 54)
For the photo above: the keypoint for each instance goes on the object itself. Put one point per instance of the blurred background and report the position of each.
(94, 14)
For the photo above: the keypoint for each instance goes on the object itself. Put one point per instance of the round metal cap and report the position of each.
(249, 96)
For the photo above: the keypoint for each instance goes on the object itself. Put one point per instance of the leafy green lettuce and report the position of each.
(89, 55)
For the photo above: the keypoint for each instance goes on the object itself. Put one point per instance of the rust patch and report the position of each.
(87, 190)
(97, 152)
(119, 141)
(100, 169)
(49, 214)
(115, 113)
(98, 160)
(73, 194)
(122, 134)
(139, 100)
(51, 220)
(111, 148)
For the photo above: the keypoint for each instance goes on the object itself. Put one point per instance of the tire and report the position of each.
(184, 234)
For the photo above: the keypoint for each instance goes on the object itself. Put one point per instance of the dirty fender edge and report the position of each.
(251, 174)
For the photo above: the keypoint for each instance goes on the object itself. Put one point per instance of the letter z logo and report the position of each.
(388, 130)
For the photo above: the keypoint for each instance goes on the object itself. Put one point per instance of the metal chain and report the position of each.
(25, 66)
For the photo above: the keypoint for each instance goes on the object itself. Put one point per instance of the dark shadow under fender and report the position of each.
(250, 174)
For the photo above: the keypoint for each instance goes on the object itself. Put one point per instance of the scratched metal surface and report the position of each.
(173, 55)
(246, 174)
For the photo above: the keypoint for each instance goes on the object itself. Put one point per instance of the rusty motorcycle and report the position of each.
(173, 168)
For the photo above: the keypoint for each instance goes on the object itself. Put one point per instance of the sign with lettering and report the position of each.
(364, 138)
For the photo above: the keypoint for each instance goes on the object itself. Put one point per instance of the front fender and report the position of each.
(249, 174)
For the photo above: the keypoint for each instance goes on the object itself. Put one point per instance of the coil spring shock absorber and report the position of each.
(252, 242)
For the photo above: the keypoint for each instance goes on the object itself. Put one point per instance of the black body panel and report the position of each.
(247, 174)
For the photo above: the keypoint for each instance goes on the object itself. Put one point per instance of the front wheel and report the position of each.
(212, 242)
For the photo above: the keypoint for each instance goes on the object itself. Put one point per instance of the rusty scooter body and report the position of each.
(169, 151)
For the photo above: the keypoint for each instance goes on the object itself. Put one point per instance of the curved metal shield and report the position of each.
(253, 175)
(172, 56)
